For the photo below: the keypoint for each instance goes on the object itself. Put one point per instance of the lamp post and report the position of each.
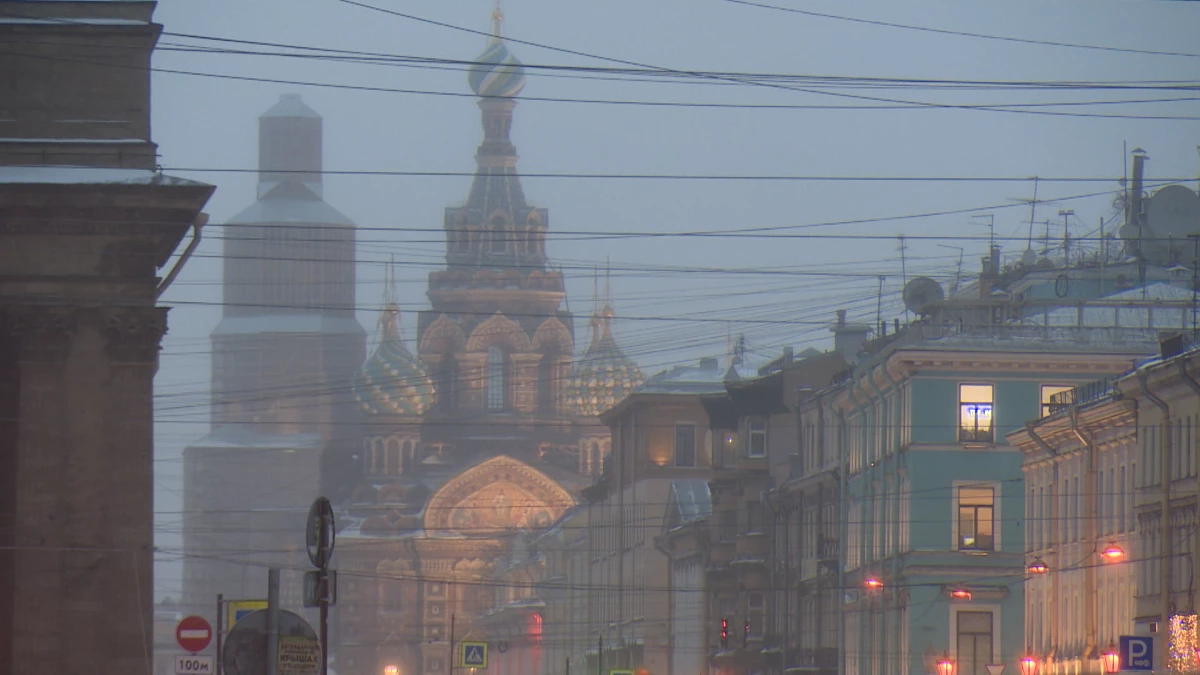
(1112, 553)
(945, 665)
(1029, 666)
(1037, 567)
(1111, 659)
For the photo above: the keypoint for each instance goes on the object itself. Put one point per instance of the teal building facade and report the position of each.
(933, 498)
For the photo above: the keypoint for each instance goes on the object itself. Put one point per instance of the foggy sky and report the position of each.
(203, 122)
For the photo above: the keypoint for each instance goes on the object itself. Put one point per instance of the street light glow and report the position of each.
(1037, 567)
(1029, 666)
(1111, 659)
(873, 583)
(1113, 553)
(945, 666)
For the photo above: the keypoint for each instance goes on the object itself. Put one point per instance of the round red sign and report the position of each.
(193, 633)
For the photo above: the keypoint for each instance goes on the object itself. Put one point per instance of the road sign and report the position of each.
(1137, 652)
(192, 664)
(473, 654)
(236, 609)
(318, 533)
(299, 656)
(193, 633)
(245, 650)
(313, 591)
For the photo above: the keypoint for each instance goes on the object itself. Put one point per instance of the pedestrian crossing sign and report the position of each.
(473, 654)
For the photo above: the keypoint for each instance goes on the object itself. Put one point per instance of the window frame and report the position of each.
(1045, 399)
(675, 446)
(966, 434)
(997, 516)
(993, 637)
(753, 433)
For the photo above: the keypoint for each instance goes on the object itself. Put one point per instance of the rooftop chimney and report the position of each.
(848, 338)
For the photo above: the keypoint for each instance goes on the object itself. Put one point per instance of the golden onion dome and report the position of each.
(603, 375)
(392, 381)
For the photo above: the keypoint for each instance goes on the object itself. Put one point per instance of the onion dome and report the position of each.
(392, 381)
(603, 375)
(496, 73)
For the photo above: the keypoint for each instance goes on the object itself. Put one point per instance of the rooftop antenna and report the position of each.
(957, 269)
(902, 247)
(879, 302)
(1066, 216)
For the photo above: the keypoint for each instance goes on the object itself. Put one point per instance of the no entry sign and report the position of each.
(193, 633)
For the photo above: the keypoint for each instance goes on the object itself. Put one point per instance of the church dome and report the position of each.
(392, 381)
(603, 375)
(496, 73)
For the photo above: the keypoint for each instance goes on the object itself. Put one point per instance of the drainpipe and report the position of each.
(862, 414)
(1052, 540)
(1091, 488)
(1195, 386)
(197, 225)
(1165, 502)
(895, 411)
(843, 531)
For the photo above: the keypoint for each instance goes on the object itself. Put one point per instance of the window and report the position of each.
(974, 642)
(975, 413)
(975, 524)
(1048, 391)
(495, 379)
(729, 525)
(756, 438)
(685, 445)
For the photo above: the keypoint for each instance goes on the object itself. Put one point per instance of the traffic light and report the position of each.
(724, 633)
(746, 635)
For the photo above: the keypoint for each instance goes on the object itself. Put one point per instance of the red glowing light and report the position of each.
(1037, 567)
(1029, 666)
(1112, 660)
(945, 665)
(960, 594)
(1113, 553)
(873, 583)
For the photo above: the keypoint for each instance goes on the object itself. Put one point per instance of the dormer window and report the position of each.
(756, 438)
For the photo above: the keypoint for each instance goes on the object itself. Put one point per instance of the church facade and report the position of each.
(481, 434)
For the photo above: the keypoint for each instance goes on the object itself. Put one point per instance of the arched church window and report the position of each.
(496, 398)
(499, 244)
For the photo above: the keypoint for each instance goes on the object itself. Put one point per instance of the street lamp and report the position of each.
(1112, 553)
(960, 594)
(391, 669)
(1111, 659)
(1029, 666)
(873, 583)
(945, 665)
(1037, 567)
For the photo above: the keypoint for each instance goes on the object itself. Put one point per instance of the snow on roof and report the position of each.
(76, 140)
(287, 323)
(74, 21)
(1108, 313)
(70, 175)
(704, 377)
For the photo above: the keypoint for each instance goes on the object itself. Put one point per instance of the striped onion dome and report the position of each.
(392, 381)
(603, 375)
(496, 72)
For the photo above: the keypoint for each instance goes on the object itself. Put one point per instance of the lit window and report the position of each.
(1052, 405)
(975, 523)
(756, 438)
(685, 445)
(975, 413)
(495, 379)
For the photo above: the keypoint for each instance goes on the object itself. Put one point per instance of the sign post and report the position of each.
(319, 539)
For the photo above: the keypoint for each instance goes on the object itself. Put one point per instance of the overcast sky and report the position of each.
(673, 290)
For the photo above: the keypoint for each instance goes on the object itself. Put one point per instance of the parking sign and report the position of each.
(1137, 652)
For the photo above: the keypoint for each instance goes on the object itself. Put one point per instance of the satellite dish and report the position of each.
(922, 294)
(1172, 215)
(1028, 257)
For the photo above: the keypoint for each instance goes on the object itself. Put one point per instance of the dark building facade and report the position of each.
(86, 225)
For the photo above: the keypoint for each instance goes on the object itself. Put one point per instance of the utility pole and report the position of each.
(1195, 278)
(452, 643)
(273, 621)
(221, 625)
(600, 656)
(1066, 215)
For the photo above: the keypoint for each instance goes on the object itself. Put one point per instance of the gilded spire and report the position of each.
(497, 21)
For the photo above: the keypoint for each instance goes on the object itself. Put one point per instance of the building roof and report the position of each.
(705, 377)
(291, 203)
(691, 500)
(242, 437)
(86, 175)
(496, 72)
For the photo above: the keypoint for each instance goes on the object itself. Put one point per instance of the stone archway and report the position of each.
(494, 497)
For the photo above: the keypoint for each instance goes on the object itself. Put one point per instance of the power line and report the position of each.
(982, 36)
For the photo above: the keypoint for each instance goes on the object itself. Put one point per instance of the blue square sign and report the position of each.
(1137, 652)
